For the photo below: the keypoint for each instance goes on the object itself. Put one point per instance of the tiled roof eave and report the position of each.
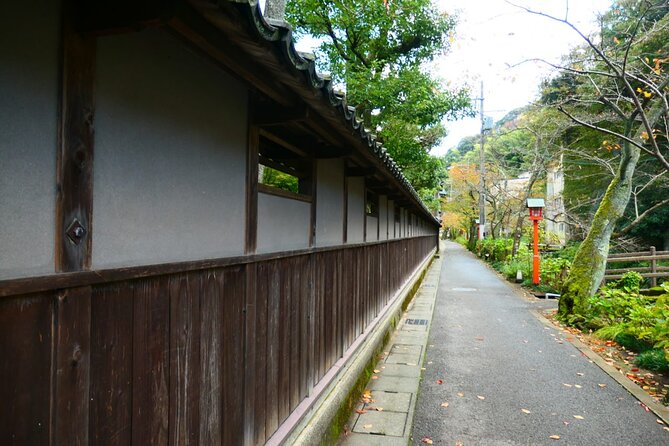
(280, 35)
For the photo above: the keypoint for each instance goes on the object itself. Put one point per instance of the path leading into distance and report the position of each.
(508, 379)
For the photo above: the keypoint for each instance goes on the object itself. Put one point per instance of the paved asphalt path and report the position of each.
(496, 358)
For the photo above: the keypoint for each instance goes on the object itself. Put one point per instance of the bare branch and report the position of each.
(640, 218)
(607, 131)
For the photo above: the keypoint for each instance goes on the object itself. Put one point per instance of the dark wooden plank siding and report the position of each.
(233, 354)
(261, 359)
(213, 356)
(151, 362)
(211, 361)
(25, 342)
(184, 388)
(111, 365)
(72, 367)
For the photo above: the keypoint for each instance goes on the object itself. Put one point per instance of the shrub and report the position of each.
(654, 360)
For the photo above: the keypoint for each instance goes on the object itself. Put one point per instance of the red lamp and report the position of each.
(536, 207)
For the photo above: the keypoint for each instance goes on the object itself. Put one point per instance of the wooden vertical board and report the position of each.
(252, 190)
(337, 267)
(26, 324)
(233, 355)
(287, 270)
(273, 320)
(72, 367)
(184, 381)
(311, 325)
(261, 364)
(74, 165)
(327, 311)
(321, 316)
(304, 342)
(111, 364)
(151, 362)
(294, 333)
(249, 349)
(211, 363)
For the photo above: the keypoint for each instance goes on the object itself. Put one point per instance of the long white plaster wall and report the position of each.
(283, 224)
(372, 229)
(29, 73)
(329, 202)
(170, 154)
(383, 217)
(356, 210)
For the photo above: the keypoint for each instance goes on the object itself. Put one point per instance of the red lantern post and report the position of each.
(536, 206)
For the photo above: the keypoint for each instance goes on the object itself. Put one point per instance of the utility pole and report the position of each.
(482, 221)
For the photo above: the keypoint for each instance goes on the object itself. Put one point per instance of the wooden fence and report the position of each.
(652, 271)
(212, 352)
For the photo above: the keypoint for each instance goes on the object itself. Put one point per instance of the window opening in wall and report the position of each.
(371, 204)
(283, 170)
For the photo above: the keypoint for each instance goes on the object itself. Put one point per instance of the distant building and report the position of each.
(555, 212)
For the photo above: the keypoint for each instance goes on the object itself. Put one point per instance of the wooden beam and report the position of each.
(251, 190)
(74, 168)
(271, 115)
(359, 171)
(120, 16)
(282, 142)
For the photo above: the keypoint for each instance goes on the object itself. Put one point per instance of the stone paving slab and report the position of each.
(381, 423)
(395, 385)
(412, 371)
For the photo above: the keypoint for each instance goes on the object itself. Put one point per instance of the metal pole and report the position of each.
(482, 221)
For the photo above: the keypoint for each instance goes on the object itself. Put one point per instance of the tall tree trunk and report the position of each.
(275, 9)
(589, 265)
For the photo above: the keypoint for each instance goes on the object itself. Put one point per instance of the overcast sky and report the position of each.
(493, 35)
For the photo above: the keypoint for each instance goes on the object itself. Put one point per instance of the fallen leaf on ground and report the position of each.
(426, 440)
(375, 377)
(480, 397)
(479, 338)
(440, 381)
(658, 421)
(367, 426)
(578, 417)
(566, 423)
(566, 385)
(578, 386)
(459, 443)
(378, 409)
(377, 371)
(554, 437)
(460, 394)
(360, 411)
(666, 429)
(601, 385)
(580, 374)
(525, 411)
(444, 404)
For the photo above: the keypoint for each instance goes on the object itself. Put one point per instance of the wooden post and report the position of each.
(535, 257)
(653, 267)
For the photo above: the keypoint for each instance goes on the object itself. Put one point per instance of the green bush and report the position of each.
(639, 323)
(654, 360)
(494, 249)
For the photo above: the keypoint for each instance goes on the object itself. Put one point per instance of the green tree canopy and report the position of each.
(378, 50)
